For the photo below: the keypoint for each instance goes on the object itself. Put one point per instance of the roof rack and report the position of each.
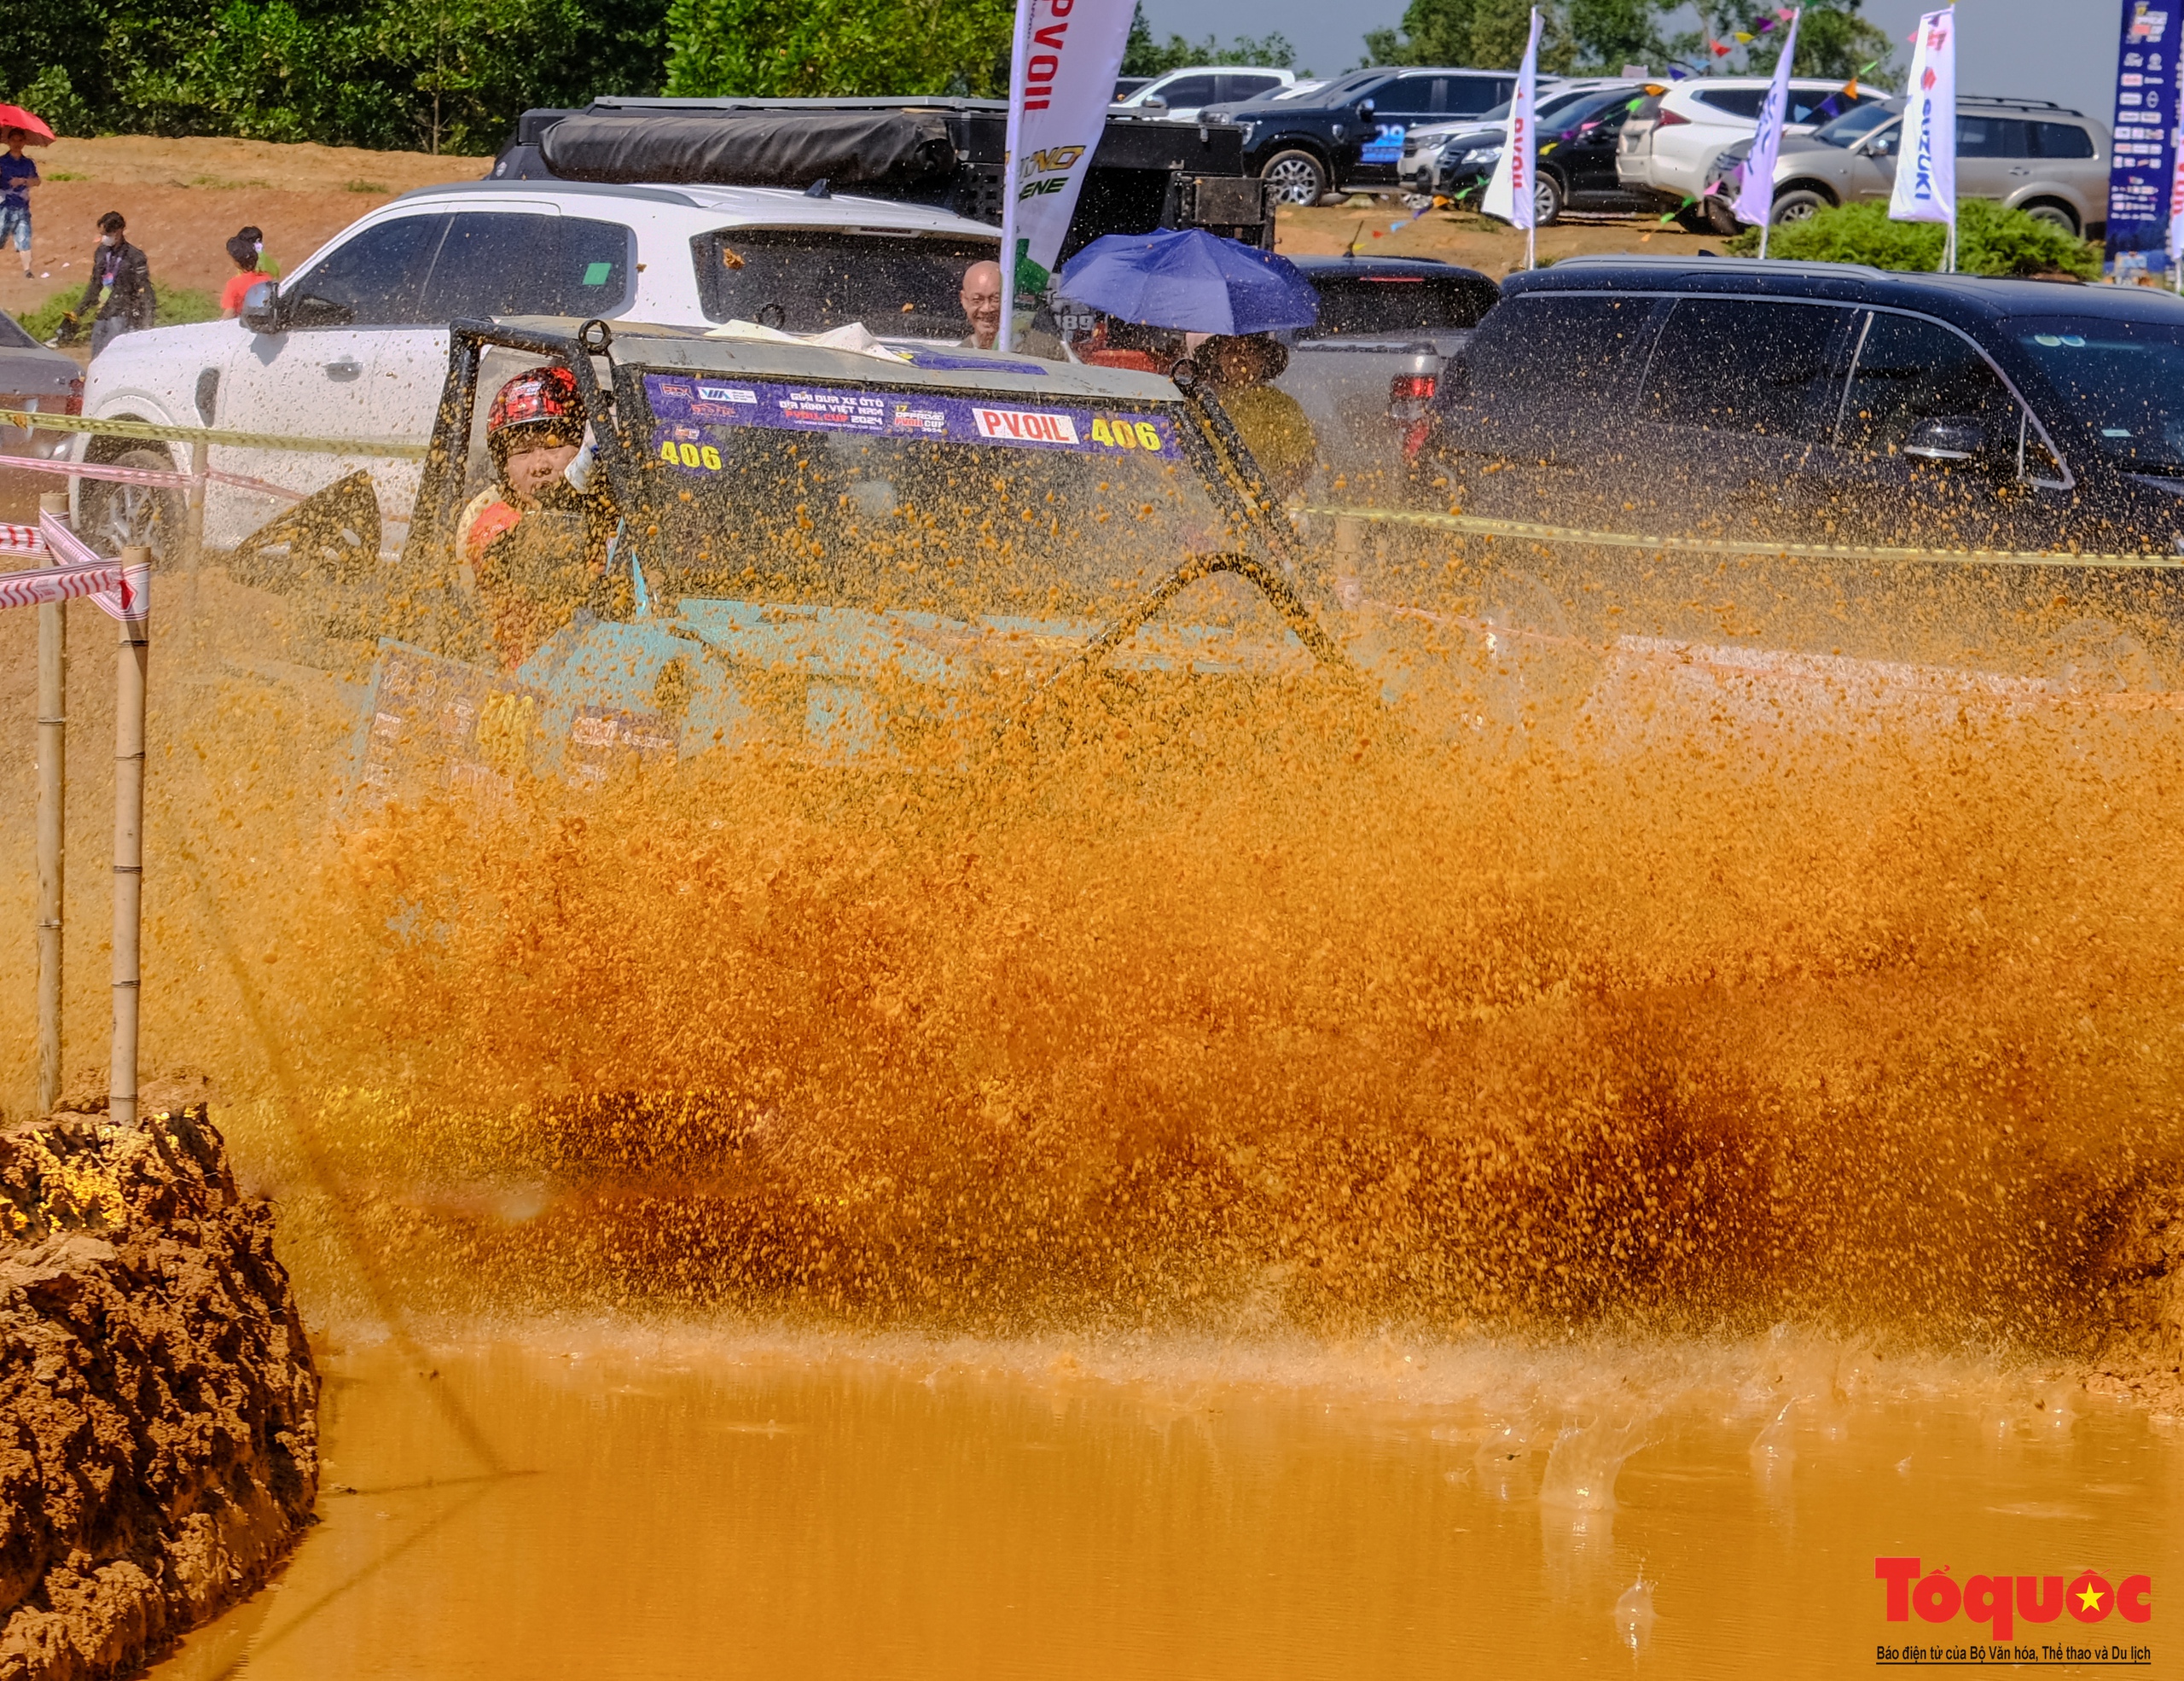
(2016, 104)
(1704, 262)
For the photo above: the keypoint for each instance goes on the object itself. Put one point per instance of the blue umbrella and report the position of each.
(1191, 280)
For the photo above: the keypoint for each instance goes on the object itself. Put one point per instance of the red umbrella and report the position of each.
(35, 133)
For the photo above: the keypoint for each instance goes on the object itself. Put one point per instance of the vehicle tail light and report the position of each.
(74, 403)
(1410, 395)
(1414, 438)
(1671, 119)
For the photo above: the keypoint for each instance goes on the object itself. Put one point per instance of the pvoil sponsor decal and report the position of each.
(1026, 425)
(691, 431)
(2082, 1616)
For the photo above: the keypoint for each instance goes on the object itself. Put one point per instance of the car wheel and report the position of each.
(2054, 214)
(111, 517)
(1693, 218)
(1799, 204)
(1720, 217)
(1297, 177)
(1547, 200)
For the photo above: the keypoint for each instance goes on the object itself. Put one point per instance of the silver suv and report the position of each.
(2030, 155)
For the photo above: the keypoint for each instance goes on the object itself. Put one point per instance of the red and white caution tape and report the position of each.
(159, 478)
(20, 540)
(119, 591)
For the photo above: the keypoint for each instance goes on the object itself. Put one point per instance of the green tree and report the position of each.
(759, 48)
(1490, 34)
(1834, 38)
(446, 74)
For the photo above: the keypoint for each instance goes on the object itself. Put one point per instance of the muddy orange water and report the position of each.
(1248, 1180)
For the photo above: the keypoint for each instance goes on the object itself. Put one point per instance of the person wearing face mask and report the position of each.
(119, 289)
(536, 544)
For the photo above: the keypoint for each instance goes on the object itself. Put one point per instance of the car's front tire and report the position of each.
(111, 517)
(1296, 175)
(1547, 200)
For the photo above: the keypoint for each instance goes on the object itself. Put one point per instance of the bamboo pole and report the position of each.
(193, 508)
(128, 852)
(52, 823)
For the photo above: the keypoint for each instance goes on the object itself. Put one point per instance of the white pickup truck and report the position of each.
(354, 346)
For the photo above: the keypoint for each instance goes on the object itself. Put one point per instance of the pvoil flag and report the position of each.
(1512, 192)
(1925, 160)
(1756, 198)
(1061, 80)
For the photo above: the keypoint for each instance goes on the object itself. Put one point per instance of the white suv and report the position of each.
(1670, 140)
(355, 345)
(1180, 94)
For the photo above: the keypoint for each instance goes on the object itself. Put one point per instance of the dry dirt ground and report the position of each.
(183, 198)
(1385, 228)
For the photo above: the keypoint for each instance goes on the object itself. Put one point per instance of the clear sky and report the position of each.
(2060, 49)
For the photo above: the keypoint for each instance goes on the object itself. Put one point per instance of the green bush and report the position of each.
(1989, 241)
(177, 308)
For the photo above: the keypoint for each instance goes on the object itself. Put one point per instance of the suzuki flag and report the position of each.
(1925, 162)
(1061, 79)
(1756, 198)
(1513, 193)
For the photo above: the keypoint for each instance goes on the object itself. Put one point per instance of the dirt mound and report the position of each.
(158, 1440)
(2144, 1304)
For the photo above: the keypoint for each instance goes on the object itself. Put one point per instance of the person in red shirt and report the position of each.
(244, 250)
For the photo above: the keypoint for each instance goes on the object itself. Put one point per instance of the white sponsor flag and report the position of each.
(1925, 156)
(1512, 192)
(1756, 198)
(1061, 79)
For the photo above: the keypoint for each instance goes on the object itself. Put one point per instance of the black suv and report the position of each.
(1903, 419)
(1350, 133)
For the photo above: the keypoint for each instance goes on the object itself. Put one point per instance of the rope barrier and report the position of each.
(37, 420)
(1477, 526)
(119, 591)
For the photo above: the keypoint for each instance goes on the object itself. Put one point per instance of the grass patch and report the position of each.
(178, 307)
(366, 187)
(1989, 241)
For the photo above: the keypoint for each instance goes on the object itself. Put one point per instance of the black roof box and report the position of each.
(849, 149)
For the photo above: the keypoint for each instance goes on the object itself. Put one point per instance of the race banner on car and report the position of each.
(1925, 162)
(1061, 79)
(2176, 242)
(1512, 195)
(2141, 230)
(1756, 198)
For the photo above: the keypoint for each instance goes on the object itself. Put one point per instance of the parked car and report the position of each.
(1181, 94)
(1366, 371)
(2030, 155)
(1669, 141)
(1923, 416)
(1349, 134)
(35, 377)
(355, 343)
(1424, 146)
(1578, 136)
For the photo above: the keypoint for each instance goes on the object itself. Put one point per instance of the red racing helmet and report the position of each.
(544, 398)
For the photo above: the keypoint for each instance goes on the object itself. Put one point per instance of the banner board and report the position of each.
(2145, 128)
(1512, 193)
(1926, 164)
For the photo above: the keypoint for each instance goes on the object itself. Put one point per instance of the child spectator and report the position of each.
(246, 250)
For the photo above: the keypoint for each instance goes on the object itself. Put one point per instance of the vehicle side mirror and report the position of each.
(1152, 104)
(310, 312)
(1947, 438)
(261, 308)
(1365, 110)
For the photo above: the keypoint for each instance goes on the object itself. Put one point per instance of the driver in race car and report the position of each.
(536, 542)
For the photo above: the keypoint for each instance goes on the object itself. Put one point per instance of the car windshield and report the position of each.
(14, 336)
(1554, 105)
(812, 281)
(1855, 124)
(2124, 379)
(908, 498)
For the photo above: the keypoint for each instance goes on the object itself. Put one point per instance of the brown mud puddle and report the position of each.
(716, 1504)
